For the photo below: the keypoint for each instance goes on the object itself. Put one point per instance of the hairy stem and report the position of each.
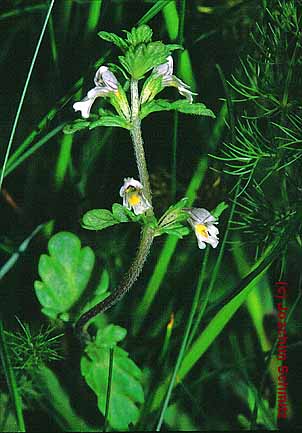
(147, 235)
(138, 143)
(126, 283)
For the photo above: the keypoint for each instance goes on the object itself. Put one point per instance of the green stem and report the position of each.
(127, 282)
(138, 144)
(147, 235)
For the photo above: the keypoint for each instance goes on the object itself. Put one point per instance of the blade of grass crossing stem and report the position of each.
(167, 252)
(54, 49)
(107, 407)
(15, 256)
(187, 337)
(63, 20)
(63, 159)
(216, 269)
(153, 11)
(33, 149)
(15, 123)
(174, 155)
(226, 312)
(22, 11)
(171, 18)
(184, 343)
(259, 302)
(94, 14)
(175, 25)
(11, 380)
(224, 315)
(50, 116)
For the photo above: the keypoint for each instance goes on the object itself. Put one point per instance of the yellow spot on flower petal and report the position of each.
(201, 230)
(134, 199)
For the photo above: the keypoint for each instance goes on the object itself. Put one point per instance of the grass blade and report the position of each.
(12, 135)
(11, 380)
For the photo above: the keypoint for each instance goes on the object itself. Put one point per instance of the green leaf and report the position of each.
(120, 213)
(173, 47)
(172, 218)
(219, 209)
(180, 204)
(177, 230)
(115, 39)
(139, 35)
(58, 402)
(152, 86)
(76, 126)
(98, 219)
(182, 105)
(126, 389)
(65, 273)
(140, 59)
(112, 120)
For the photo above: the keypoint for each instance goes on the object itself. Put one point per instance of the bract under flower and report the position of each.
(203, 224)
(133, 196)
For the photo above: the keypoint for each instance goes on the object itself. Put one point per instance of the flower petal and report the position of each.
(165, 69)
(84, 106)
(105, 78)
(98, 91)
(142, 206)
(199, 215)
(201, 242)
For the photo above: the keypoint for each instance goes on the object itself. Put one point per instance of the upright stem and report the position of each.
(138, 143)
(147, 234)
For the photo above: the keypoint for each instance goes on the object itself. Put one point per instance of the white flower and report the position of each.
(133, 196)
(106, 84)
(166, 71)
(203, 224)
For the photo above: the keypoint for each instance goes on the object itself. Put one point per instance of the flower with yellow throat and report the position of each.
(133, 196)
(203, 224)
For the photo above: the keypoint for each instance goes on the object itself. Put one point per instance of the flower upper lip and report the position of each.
(106, 84)
(166, 71)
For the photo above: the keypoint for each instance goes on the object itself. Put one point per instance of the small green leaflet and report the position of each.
(219, 209)
(99, 219)
(104, 120)
(65, 273)
(115, 39)
(177, 230)
(142, 58)
(112, 120)
(139, 35)
(170, 222)
(126, 388)
(76, 126)
(182, 105)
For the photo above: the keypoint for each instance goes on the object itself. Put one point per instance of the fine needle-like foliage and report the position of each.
(150, 193)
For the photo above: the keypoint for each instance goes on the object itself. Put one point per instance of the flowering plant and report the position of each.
(141, 55)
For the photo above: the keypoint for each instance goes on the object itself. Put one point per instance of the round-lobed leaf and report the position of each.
(65, 273)
(126, 388)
